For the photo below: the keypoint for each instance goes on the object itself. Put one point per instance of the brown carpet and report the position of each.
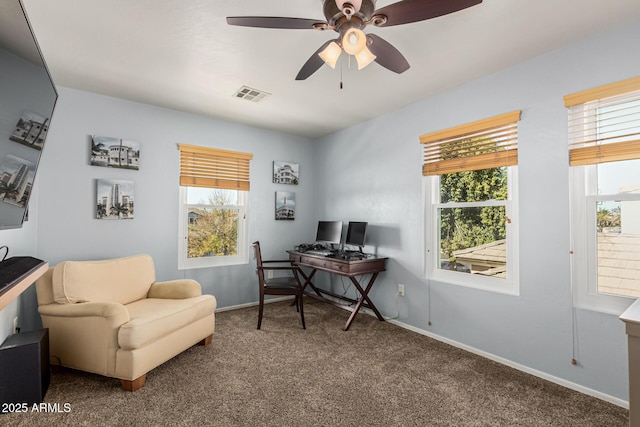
(375, 374)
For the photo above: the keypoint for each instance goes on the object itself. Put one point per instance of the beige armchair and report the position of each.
(112, 318)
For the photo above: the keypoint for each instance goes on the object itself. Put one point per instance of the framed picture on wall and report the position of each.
(114, 199)
(114, 152)
(285, 172)
(285, 206)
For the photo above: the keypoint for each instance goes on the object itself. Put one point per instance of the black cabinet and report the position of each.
(24, 367)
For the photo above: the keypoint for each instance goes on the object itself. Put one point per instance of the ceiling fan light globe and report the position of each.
(354, 41)
(364, 58)
(330, 54)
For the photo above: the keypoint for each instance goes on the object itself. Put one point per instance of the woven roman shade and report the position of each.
(213, 168)
(604, 123)
(484, 144)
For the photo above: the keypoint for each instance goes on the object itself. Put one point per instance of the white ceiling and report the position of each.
(182, 55)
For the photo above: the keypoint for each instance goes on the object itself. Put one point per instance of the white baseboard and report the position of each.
(523, 368)
(252, 304)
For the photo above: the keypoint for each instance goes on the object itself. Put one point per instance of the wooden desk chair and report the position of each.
(283, 285)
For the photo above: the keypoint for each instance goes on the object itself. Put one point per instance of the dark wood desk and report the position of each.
(344, 267)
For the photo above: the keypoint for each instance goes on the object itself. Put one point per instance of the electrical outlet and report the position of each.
(15, 325)
(269, 274)
(401, 290)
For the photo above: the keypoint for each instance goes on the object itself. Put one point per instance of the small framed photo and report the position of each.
(114, 152)
(285, 206)
(114, 199)
(286, 172)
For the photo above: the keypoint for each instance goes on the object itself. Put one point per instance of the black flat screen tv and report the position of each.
(27, 99)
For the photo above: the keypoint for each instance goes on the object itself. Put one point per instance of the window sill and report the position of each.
(210, 263)
(608, 304)
(474, 281)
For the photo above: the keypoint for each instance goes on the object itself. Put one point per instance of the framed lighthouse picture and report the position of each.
(285, 206)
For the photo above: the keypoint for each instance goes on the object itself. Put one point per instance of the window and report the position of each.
(470, 181)
(214, 187)
(604, 152)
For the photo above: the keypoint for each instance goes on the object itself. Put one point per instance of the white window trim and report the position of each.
(509, 285)
(584, 243)
(242, 257)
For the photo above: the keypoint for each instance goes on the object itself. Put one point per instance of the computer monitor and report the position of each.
(356, 233)
(329, 232)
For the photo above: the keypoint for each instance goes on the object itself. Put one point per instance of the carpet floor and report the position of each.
(375, 374)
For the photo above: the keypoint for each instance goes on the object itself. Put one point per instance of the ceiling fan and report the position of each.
(348, 18)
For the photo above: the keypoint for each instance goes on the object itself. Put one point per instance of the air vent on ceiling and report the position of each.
(251, 94)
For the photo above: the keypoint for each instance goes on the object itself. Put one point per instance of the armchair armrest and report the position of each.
(114, 312)
(175, 289)
(85, 335)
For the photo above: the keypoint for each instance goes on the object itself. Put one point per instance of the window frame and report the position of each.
(508, 285)
(185, 263)
(584, 268)
(586, 151)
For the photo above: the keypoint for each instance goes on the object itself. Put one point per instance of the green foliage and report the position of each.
(214, 231)
(465, 227)
(608, 218)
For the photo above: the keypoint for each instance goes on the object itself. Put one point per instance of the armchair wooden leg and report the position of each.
(133, 385)
(206, 341)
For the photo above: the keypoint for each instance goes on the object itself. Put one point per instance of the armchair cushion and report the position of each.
(153, 318)
(121, 280)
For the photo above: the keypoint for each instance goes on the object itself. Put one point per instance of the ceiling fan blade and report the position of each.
(313, 63)
(407, 11)
(274, 22)
(387, 55)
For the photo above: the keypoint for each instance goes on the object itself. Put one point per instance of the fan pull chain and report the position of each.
(341, 63)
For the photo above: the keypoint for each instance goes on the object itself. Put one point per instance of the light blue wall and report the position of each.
(370, 172)
(373, 173)
(68, 230)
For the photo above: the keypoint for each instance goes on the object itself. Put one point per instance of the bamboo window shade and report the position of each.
(487, 143)
(213, 168)
(604, 123)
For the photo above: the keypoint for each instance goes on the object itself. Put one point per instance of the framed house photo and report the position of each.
(285, 172)
(114, 152)
(285, 206)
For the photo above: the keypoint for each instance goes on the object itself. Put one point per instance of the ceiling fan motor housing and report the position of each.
(334, 14)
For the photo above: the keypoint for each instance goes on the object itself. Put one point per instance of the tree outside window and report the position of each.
(213, 231)
(213, 227)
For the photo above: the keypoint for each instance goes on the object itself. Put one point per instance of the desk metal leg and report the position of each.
(363, 296)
